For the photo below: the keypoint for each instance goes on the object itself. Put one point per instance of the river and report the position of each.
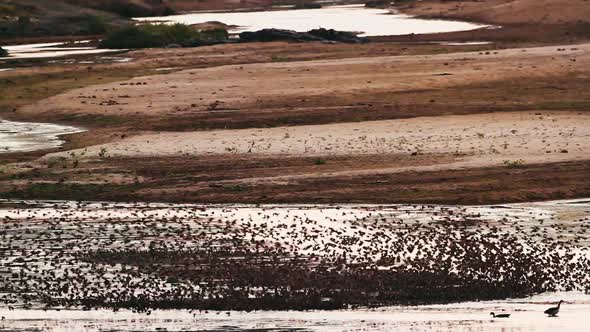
(31, 136)
(356, 18)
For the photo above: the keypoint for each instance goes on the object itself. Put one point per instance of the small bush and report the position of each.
(514, 163)
(215, 34)
(3, 53)
(319, 161)
(54, 161)
(158, 35)
(95, 25)
(103, 153)
(278, 58)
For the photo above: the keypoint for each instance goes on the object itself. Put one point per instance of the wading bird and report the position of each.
(552, 312)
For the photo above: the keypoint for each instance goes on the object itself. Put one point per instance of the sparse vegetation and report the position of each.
(3, 53)
(159, 35)
(319, 161)
(237, 187)
(514, 163)
(102, 154)
(55, 161)
(278, 58)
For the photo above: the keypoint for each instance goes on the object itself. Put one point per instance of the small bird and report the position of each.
(500, 315)
(552, 312)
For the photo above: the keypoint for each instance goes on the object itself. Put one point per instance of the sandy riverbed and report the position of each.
(244, 87)
(477, 140)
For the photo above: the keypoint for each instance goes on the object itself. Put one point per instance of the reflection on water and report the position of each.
(50, 50)
(526, 315)
(29, 136)
(368, 21)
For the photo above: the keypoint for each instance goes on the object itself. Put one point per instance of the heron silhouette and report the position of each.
(552, 312)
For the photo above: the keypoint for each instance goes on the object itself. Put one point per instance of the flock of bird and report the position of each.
(149, 256)
(551, 312)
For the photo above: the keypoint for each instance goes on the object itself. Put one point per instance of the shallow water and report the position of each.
(369, 22)
(88, 225)
(526, 315)
(30, 136)
(50, 50)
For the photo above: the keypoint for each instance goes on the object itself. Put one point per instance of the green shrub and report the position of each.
(55, 160)
(158, 35)
(215, 34)
(95, 25)
(514, 163)
(103, 153)
(319, 161)
(3, 53)
(278, 58)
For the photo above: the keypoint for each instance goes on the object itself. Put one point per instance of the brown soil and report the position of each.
(446, 93)
(474, 186)
(504, 12)
(219, 179)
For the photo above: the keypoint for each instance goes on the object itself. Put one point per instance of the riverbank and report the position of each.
(514, 20)
(531, 88)
(539, 113)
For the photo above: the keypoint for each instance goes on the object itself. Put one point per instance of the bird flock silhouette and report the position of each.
(152, 256)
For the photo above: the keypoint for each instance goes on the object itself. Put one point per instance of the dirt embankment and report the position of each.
(191, 5)
(504, 12)
(378, 122)
(543, 21)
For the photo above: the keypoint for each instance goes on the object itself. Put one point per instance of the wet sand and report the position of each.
(31, 136)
